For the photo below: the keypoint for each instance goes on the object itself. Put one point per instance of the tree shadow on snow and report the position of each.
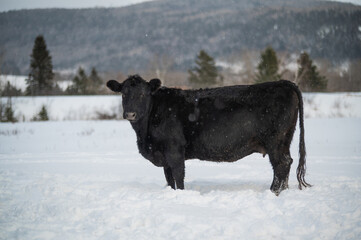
(207, 186)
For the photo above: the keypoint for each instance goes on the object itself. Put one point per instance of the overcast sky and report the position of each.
(6, 5)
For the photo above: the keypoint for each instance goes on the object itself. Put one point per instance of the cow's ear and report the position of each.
(154, 84)
(114, 86)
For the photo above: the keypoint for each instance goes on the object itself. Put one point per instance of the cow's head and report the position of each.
(137, 94)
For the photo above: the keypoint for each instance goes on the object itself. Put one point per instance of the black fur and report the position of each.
(220, 124)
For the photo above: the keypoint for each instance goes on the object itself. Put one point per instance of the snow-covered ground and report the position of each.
(66, 107)
(332, 105)
(19, 82)
(86, 180)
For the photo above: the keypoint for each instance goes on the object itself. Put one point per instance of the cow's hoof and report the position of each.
(278, 186)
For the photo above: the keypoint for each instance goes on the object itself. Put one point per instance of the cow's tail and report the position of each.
(301, 169)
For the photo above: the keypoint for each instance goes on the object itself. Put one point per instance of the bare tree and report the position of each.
(247, 73)
(2, 56)
(161, 65)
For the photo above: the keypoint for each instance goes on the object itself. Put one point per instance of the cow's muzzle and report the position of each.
(131, 116)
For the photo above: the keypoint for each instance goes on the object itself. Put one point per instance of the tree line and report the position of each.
(308, 78)
(205, 73)
(41, 82)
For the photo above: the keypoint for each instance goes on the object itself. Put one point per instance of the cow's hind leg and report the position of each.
(281, 163)
(169, 177)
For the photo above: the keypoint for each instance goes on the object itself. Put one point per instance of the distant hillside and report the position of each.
(128, 38)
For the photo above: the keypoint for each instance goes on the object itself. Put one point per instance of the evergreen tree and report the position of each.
(7, 112)
(83, 84)
(268, 67)
(95, 82)
(42, 115)
(80, 82)
(41, 69)
(205, 73)
(308, 77)
(10, 90)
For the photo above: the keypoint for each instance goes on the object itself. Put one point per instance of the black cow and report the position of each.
(219, 124)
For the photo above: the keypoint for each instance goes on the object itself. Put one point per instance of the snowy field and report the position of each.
(86, 180)
(67, 108)
(19, 82)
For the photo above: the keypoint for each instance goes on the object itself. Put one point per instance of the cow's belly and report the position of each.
(220, 153)
(227, 140)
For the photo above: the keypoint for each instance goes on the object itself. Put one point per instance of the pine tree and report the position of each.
(42, 115)
(268, 67)
(308, 77)
(41, 69)
(83, 84)
(205, 73)
(95, 82)
(80, 83)
(10, 90)
(7, 112)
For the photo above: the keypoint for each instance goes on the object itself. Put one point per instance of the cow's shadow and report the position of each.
(204, 187)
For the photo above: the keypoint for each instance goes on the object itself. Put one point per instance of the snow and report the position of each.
(79, 179)
(66, 107)
(19, 82)
(233, 67)
(8, 5)
(355, 2)
(332, 105)
(86, 180)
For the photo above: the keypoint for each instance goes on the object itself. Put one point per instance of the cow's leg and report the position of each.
(169, 177)
(175, 160)
(178, 172)
(281, 164)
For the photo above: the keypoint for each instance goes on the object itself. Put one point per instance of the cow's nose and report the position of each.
(130, 115)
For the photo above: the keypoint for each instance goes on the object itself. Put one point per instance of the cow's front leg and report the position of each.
(178, 172)
(175, 160)
(169, 177)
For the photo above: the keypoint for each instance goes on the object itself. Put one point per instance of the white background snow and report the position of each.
(6, 5)
(86, 180)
